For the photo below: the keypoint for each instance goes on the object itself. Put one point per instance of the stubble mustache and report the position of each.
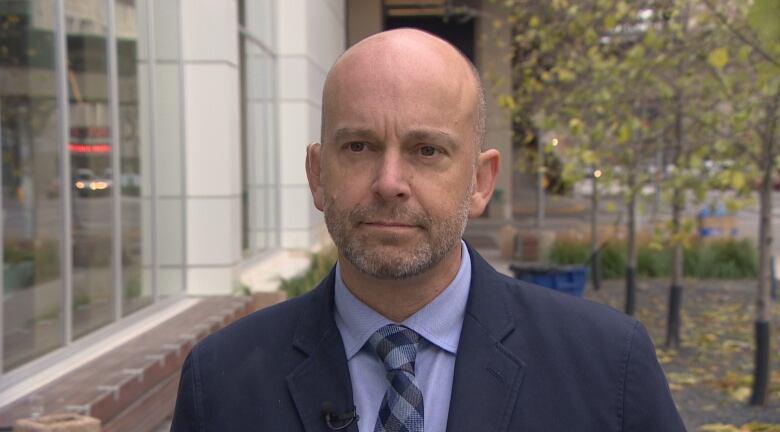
(389, 214)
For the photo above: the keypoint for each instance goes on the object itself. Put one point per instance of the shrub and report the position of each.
(573, 252)
(692, 261)
(653, 263)
(714, 259)
(568, 252)
(612, 261)
(727, 259)
(319, 266)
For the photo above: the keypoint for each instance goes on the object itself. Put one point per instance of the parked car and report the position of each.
(87, 184)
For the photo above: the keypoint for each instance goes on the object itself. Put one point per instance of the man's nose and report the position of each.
(391, 181)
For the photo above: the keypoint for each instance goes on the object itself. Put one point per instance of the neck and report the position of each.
(398, 299)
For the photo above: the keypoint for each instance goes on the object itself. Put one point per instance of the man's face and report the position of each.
(397, 163)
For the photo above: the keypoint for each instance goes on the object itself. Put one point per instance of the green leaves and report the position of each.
(610, 22)
(637, 52)
(764, 19)
(507, 101)
(744, 53)
(737, 180)
(718, 58)
(624, 134)
(589, 157)
(565, 75)
(575, 125)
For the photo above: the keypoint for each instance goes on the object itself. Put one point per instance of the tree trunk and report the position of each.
(540, 175)
(761, 367)
(762, 330)
(678, 205)
(595, 267)
(631, 255)
(678, 260)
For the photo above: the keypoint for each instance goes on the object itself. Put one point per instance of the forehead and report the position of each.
(422, 83)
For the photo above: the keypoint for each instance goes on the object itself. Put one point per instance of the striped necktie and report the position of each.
(402, 406)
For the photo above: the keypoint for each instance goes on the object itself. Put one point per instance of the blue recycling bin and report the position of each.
(569, 279)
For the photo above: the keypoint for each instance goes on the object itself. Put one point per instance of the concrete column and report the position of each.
(160, 105)
(495, 69)
(212, 150)
(310, 37)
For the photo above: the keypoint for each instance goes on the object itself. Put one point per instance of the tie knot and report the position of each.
(396, 346)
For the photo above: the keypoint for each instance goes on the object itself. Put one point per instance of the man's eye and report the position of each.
(357, 146)
(428, 150)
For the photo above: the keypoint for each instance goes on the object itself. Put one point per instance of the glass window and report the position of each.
(257, 19)
(136, 290)
(32, 288)
(148, 181)
(90, 163)
(259, 154)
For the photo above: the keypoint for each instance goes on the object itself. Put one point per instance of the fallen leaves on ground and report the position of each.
(748, 427)
(710, 374)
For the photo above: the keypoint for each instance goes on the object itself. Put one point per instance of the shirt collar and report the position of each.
(439, 322)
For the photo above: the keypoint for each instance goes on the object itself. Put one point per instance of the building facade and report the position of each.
(151, 150)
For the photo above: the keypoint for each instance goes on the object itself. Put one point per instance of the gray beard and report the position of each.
(442, 237)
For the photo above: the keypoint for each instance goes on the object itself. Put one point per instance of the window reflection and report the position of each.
(33, 297)
(259, 181)
(136, 292)
(90, 163)
(32, 293)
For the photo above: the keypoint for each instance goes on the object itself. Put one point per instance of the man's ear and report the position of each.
(486, 173)
(314, 173)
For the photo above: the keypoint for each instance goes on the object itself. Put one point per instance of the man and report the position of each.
(413, 329)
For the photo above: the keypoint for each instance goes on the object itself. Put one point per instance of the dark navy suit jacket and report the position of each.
(529, 359)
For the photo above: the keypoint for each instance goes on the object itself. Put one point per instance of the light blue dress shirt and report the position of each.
(439, 323)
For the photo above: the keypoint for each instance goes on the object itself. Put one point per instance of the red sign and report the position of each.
(89, 148)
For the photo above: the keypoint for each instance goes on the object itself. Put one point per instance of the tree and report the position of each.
(587, 70)
(688, 79)
(746, 68)
(677, 80)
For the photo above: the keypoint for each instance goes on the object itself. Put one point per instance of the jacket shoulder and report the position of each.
(573, 348)
(560, 310)
(267, 327)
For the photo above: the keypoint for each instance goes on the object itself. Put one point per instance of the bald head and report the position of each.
(399, 60)
(399, 169)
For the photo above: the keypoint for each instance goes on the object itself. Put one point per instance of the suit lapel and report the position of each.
(324, 375)
(487, 375)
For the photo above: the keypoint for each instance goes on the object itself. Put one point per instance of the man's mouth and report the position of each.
(389, 224)
(399, 219)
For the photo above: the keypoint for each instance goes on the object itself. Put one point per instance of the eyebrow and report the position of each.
(352, 133)
(432, 135)
(419, 134)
